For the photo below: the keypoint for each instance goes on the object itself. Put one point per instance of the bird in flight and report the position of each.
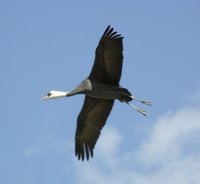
(101, 88)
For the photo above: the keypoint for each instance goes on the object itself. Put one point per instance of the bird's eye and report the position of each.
(49, 94)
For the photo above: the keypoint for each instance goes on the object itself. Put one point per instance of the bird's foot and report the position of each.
(139, 110)
(142, 101)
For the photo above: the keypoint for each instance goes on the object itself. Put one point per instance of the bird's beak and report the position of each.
(44, 98)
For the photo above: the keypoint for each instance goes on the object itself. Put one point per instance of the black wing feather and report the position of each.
(90, 122)
(108, 60)
(106, 69)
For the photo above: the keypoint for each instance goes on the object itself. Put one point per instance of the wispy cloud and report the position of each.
(194, 97)
(169, 154)
(170, 134)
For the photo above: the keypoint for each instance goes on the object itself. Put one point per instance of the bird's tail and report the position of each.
(126, 96)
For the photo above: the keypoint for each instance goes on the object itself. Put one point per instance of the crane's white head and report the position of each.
(54, 95)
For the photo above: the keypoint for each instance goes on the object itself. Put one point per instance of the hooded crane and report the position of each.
(100, 88)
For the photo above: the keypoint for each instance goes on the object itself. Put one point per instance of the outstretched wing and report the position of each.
(108, 60)
(90, 121)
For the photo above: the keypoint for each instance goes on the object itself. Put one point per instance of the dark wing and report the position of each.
(108, 60)
(90, 121)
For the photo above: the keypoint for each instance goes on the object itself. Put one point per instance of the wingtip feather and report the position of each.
(109, 33)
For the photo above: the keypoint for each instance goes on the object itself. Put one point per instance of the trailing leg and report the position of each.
(142, 101)
(127, 97)
(137, 109)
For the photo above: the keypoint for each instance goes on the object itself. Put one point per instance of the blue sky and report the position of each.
(47, 45)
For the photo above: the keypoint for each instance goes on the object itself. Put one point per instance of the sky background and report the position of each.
(47, 45)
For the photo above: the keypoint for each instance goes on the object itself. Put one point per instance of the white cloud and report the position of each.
(169, 135)
(196, 96)
(169, 154)
(109, 144)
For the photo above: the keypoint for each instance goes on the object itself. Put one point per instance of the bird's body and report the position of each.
(101, 91)
(100, 88)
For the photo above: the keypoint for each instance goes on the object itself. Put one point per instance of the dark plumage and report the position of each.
(101, 88)
(107, 70)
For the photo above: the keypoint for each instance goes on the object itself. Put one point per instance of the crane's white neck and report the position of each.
(54, 95)
(58, 94)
